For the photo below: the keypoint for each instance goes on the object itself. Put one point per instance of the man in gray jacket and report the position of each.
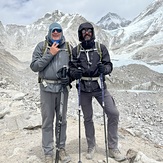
(49, 59)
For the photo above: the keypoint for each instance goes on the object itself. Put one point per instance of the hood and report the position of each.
(51, 27)
(85, 25)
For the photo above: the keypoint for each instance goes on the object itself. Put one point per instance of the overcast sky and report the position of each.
(23, 12)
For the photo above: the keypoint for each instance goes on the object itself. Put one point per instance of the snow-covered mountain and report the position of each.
(24, 38)
(140, 40)
(112, 21)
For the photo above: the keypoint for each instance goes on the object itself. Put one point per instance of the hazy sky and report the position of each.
(23, 12)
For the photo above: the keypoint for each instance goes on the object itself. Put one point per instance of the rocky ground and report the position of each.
(140, 126)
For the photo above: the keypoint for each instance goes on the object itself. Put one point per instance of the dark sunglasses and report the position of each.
(57, 30)
(86, 30)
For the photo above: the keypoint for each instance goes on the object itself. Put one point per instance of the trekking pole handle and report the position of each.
(64, 72)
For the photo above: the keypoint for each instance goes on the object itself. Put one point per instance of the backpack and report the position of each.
(97, 48)
(68, 48)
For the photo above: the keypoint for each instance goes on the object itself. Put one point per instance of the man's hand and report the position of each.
(101, 68)
(54, 49)
(78, 73)
(65, 81)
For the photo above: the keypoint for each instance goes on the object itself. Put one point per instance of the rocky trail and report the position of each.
(140, 126)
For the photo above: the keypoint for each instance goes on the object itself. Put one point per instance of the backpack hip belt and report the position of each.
(51, 81)
(90, 78)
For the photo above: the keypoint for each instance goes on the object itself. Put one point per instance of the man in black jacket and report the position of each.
(87, 65)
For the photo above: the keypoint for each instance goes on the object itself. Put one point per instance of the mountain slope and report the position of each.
(143, 37)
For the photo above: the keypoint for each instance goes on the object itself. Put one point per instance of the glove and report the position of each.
(65, 81)
(62, 72)
(78, 74)
(101, 68)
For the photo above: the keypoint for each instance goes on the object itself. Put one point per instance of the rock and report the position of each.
(2, 114)
(139, 157)
(19, 96)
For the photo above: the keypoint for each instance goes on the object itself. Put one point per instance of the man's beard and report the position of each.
(88, 44)
(87, 37)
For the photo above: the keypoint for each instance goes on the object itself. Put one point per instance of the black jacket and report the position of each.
(87, 58)
(90, 68)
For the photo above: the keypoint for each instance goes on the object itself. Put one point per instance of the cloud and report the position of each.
(27, 11)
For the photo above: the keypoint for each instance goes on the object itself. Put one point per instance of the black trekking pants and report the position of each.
(112, 117)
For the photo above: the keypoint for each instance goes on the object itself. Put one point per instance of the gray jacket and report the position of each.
(48, 65)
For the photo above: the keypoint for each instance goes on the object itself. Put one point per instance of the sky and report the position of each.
(24, 12)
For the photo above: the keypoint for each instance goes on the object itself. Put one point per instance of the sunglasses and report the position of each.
(57, 30)
(86, 30)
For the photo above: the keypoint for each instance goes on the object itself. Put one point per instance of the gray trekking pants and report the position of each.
(112, 117)
(50, 105)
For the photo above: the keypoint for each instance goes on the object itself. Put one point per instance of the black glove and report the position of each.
(101, 68)
(62, 73)
(65, 81)
(78, 73)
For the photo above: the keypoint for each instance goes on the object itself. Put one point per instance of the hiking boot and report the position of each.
(49, 159)
(63, 156)
(90, 153)
(116, 155)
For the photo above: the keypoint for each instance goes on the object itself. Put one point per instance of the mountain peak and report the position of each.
(112, 21)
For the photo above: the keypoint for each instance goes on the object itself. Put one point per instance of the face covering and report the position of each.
(57, 41)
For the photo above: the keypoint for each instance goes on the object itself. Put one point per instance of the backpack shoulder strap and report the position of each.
(68, 47)
(78, 50)
(97, 44)
(44, 47)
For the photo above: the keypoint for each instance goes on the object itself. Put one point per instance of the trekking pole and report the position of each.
(58, 136)
(103, 104)
(79, 110)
